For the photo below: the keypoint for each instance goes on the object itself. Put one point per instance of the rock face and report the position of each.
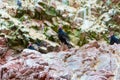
(86, 63)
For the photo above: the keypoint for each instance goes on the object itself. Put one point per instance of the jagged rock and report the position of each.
(52, 46)
(37, 34)
(50, 32)
(43, 49)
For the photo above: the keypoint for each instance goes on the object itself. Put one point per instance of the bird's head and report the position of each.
(60, 27)
(111, 33)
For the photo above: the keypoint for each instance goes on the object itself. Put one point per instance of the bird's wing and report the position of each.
(66, 36)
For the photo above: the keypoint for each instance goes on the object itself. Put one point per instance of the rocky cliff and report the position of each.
(37, 21)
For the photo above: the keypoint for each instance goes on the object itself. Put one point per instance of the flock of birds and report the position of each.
(64, 38)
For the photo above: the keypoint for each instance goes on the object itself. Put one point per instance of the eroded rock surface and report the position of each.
(86, 63)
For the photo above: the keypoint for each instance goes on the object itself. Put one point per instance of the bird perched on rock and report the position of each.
(113, 39)
(63, 37)
(30, 46)
(19, 3)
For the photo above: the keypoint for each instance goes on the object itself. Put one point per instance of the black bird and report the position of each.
(113, 39)
(19, 3)
(63, 37)
(30, 46)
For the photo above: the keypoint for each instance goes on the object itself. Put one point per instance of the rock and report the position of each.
(43, 49)
(67, 77)
(93, 44)
(27, 52)
(12, 11)
(3, 41)
(35, 34)
(12, 74)
(42, 76)
(50, 32)
(52, 46)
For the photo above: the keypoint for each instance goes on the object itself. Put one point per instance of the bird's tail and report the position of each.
(69, 44)
(119, 41)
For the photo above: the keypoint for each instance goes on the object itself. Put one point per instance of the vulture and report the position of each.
(30, 46)
(64, 38)
(113, 39)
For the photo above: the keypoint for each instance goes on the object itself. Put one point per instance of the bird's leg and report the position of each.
(65, 47)
(61, 48)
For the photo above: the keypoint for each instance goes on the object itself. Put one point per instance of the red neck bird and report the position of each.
(63, 37)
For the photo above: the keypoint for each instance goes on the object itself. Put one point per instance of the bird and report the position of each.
(113, 39)
(19, 3)
(63, 37)
(38, 42)
(30, 46)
